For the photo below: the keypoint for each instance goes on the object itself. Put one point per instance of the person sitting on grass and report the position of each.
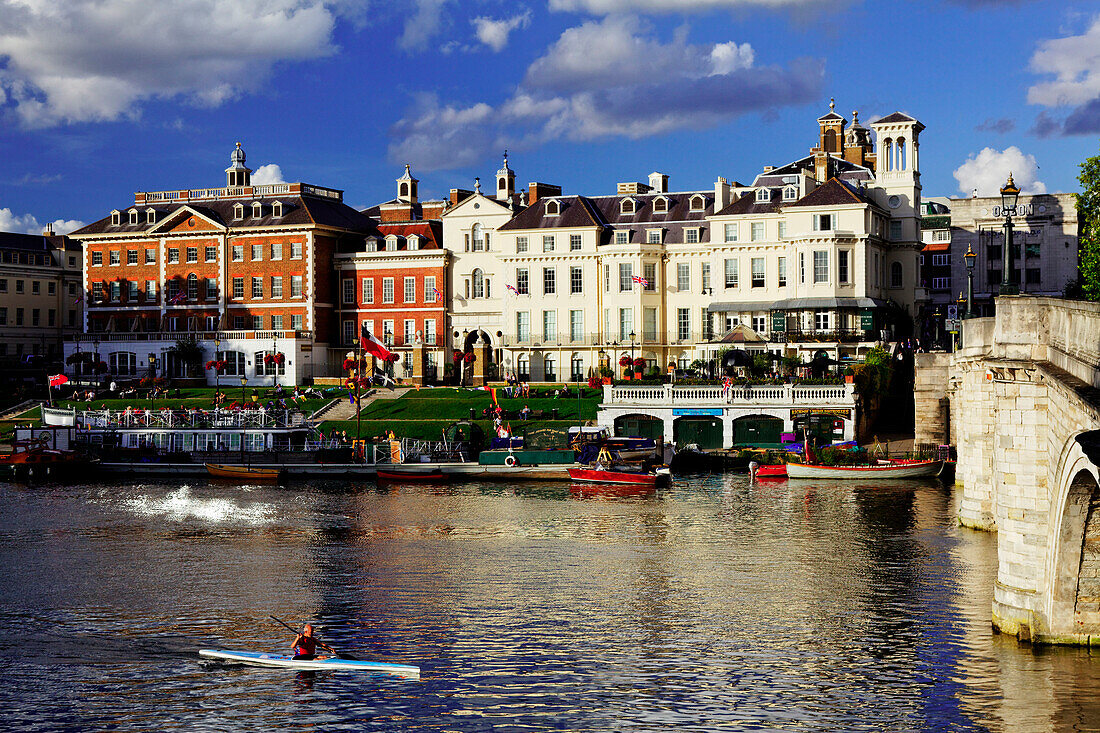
(525, 412)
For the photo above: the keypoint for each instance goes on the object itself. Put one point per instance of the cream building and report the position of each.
(818, 255)
(40, 294)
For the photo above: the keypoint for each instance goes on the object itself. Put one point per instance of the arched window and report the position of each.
(257, 209)
(391, 243)
(122, 363)
(192, 287)
(887, 154)
(660, 205)
(830, 141)
(549, 368)
(133, 216)
(478, 278)
(116, 218)
(475, 236)
(523, 368)
(404, 190)
(627, 206)
(698, 203)
(553, 208)
(576, 368)
(238, 211)
(901, 161)
(763, 194)
(895, 275)
(234, 363)
(277, 208)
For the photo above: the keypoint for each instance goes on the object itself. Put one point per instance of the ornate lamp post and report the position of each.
(632, 337)
(152, 372)
(217, 372)
(1009, 195)
(969, 258)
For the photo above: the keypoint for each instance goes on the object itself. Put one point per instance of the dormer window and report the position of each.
(790, 193)
(660, 205)
(133, 216)
(414, 242)
(698, 203)
(391, 243)
(238, 211)
(257, 210)
(763, 195)
(277, 209)
(553, 208)
(628, 206)
(150, 216)
(372, 245)
(654, 236)
(116, 218)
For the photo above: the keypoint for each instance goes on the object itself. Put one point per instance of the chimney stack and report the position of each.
(721, 194)
(48, 232)
(658, 182)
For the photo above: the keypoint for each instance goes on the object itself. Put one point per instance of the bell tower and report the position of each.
(506, 181)
(406, 187)
(237, 174)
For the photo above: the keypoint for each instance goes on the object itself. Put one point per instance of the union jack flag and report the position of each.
(438, 295)
(179, 296)
(512, 288)
(640, 280)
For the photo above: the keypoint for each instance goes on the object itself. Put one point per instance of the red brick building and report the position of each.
(395, 281)
(242, 270)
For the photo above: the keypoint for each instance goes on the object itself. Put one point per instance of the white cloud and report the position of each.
(1075, 62)
(95, 60)
(610, 7)
(494, 33)
(265, 174)
(422, 25)
(28, 224)
(988, 171)
(605, 78)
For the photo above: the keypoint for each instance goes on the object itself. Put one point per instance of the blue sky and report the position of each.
(101, 98)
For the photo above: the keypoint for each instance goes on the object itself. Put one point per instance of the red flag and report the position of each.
(372, 345)
(56, 380)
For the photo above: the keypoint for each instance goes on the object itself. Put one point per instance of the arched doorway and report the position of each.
(762, 431)
(640, 426)
(706, 432)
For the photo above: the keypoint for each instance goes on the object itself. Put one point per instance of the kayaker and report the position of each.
(305, 645)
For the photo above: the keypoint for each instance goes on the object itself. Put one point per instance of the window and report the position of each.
(476, 238)
(3, 316)
(192, 254)
(97, 259)
(821, 266)
(649, 324)
(895, 275)
(521, 244)
(941, 283)
(387, 290)
(257, 210)
(410, 331)
(238, 211)
(238, 324)
(122, 363)
(295, 250)
(576, 326)
(731, 273)
(1032, 276)
(211, 254)
(941, 235)
(823, 222)
(574, 242)
(757, 231)
(296, 321)
(756, 265)
(763, 195)
(626, 277)
(698, 203)
(627, 206)
(821, 320)
(653, 236)
(549, 368)
(115, 218)
(683, 324)
(576, 280)
(790, 193)
(607, 278)
(801, 267)
(19, 316)
(523, 284)
(523, 326)
(941, 259)
(760, 324)
(626, 323)
(895, 229)
(549, 281)
(660, 205)
(131, 257)
(691, 236)
(782, 229)
(842, 266)
(277, 287)
(115, 257)
(576, 368)
(549, 325)
(622, 237)
(276, 250)
(97, 291)
(133, 216)
(150, 290)
(479, 282)
(368, 289)
(731, 232)
(683, 276)
(211, 289)
(238, 288)
(19, 286)
(553, 208)
(410, 290)
(257, 287)
(296, 287)
(257, 252)
(131, 291)
(36, 287)
(258, 325)
(548, 243)
(348, 330)
(238, 253)
(116, 291)
(347, 291)
(649, 272)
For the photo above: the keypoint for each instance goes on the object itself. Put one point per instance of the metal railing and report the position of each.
(104, 337)
(191, 418)
(841, 395)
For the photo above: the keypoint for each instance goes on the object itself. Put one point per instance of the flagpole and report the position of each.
(358, 388)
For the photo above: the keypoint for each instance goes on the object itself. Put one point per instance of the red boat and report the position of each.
(588, 475)
(776, 471)
(433, 476)
(31, 459)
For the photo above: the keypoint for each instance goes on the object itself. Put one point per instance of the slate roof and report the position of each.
(297, 211)
(30, 242)
(837, 167)
(897, 117)
(606, 212)
(747, 204)
(834, 192)
(430, 233)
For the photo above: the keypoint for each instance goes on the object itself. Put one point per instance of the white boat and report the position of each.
(887, 469)
(263, 659)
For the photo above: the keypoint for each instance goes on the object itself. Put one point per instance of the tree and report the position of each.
(189, 353)
(1088, 237)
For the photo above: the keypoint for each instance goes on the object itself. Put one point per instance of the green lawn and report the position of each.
(455, 404)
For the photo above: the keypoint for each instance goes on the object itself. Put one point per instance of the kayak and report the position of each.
(262, 659)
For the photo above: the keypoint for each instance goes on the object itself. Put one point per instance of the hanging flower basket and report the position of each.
(624, 361)
(99, 367)
(469, 357)
(279, 358)
(394, 358)
(456, 356)
(639, 364)
(349, 364)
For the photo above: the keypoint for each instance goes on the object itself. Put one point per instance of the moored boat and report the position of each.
(431, 476)
(886, 469)
(590, 475)
(32, 459)
(244, 473)
(772, 471)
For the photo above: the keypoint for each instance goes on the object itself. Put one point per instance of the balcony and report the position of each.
(841, 336)
(236, 192)
(827, 395)
(88, 338)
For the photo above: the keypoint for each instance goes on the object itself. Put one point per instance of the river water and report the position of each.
(713, 604)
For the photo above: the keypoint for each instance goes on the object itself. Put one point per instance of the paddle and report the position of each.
(339, 655)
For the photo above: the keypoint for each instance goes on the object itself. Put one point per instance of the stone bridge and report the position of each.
(1020, 400)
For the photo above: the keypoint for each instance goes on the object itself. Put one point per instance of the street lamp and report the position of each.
(969, 258)
(152, 371)
(244, 381)
(632, 337)
(1009, 195)
(217, 372)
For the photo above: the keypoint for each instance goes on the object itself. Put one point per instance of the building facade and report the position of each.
(242, 272)
(40, 295)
